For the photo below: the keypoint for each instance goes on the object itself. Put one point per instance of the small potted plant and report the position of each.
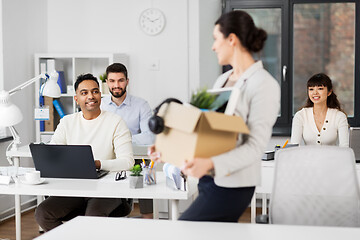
(136, 179)
(104, 86)
(202, 99)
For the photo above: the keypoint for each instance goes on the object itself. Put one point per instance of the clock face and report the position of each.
(152, 21)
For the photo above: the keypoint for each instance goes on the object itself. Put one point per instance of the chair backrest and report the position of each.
(315, 185)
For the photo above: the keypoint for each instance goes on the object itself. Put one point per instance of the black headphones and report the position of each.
(156, 123)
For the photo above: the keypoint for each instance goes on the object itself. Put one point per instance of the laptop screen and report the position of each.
(64, 161)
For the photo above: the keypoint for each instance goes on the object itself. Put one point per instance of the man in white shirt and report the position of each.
(134, 110)
(110, 140)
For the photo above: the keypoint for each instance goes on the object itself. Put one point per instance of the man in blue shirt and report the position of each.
(134, 111)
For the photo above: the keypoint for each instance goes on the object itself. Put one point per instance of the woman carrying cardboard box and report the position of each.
(227, 191)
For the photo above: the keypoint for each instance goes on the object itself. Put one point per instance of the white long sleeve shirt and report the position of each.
(335, 128)
(107, 135)
(258, 105)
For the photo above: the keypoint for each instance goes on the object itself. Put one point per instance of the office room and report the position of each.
(303, 38)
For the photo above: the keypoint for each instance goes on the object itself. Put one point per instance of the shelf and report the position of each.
(67, 95)
(47, 133)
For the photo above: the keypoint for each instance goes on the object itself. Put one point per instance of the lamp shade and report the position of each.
(10, 114)
(51, 88)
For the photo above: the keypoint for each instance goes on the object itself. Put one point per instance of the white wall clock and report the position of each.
(152, 21)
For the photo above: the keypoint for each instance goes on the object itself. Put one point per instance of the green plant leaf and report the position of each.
(202, 99)
(103, 77)
(136, 170)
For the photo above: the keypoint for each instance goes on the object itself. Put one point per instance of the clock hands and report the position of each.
(148, 18)
(155, 19)
(152, 20)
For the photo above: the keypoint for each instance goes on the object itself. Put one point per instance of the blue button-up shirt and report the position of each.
(135, 112)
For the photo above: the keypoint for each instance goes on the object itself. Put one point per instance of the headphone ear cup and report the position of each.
(156, 124)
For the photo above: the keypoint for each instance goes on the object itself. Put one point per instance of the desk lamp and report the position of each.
(10, 114)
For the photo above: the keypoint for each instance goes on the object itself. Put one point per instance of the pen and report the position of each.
(144, 162)
(287, 140)
(152, 164)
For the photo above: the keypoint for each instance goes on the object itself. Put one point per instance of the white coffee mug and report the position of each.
(32, 177)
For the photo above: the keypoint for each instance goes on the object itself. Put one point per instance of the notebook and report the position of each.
(65, 161)
(226, 100)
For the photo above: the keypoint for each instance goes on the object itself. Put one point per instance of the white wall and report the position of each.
(113, 26)
(210, 11)
(24, 33)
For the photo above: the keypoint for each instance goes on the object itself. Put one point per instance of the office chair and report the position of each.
(315, 185)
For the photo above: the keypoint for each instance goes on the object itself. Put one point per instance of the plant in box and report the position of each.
(202, 99)
(136, 179)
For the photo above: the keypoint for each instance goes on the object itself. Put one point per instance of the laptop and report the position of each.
(65, 161)
(354, 142)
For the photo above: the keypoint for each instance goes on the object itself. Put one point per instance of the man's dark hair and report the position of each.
(117, 68)
(83, 77)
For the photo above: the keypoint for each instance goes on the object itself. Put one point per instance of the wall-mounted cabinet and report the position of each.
(69, 67)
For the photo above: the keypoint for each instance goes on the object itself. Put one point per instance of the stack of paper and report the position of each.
(174, 177)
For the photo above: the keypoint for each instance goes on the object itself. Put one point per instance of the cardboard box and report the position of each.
(190, 132)
(49, 124)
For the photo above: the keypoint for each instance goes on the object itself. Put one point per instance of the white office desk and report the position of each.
(267, 179)
(124, 228)
(104, 187)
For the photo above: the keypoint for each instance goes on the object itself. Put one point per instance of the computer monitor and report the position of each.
(354, 141)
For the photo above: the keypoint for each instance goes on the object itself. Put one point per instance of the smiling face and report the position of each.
(117, 83)
(318, 94)
(221, 46)
(88, 97)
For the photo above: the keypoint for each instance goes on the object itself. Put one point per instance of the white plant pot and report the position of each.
(105, 88)
(136, 181)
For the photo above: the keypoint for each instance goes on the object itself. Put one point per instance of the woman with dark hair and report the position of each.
(321, 121)
(227, 181)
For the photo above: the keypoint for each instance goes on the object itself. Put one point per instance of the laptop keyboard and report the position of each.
(101, 173)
